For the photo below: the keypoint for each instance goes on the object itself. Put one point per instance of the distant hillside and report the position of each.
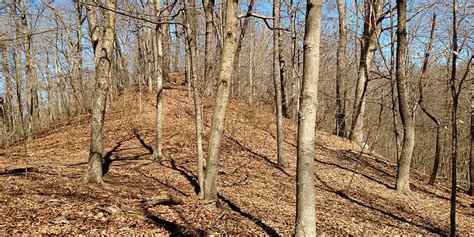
(355, 193)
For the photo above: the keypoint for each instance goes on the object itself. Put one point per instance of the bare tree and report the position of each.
(218, 117)
(403, 172)
(423, 107)
(191, 38)
(341, 71)
(157, 40)
(278, 84)
(305, 209)
(31, 80)
(209, 37)
(369, 40)
(102, 37)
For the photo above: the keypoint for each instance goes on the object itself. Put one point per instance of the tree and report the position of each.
(369, 40)
(102, 37)
(218, 117)
(340, 72)
(403, 171)
(278, 84)
(423, 107)
(191, 37)
(157, 40)
(209, 36)
(305, 209)
(31, 80)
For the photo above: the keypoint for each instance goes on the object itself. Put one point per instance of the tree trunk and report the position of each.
(158, 55)
(79, 90)
(305, 199)
(31, 80)
(8, 85)
(454, 132)
(218, 117)
(103, 45)
(277, 84)
(403, 172)
(471, 150)
(166, 44)
(191, 39)
(436, 121)
(370, 37)
(341, 72)
(208, 44)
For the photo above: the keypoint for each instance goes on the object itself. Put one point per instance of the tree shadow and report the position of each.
(107, 158)
(174, 230)
(266, 159)
(19, 171)
(355, 172)
(191, 179)
(269, 230)
(430, 227)
(162, 183)
(137, 135)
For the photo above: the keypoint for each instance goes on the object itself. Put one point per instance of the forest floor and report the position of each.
(355, 195)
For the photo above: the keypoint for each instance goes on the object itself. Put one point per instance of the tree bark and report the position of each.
(158, 55)
(8, 85)
(454, 123)
(103, 45)
(192, 43)
(31, 80)
(79, 90)
(403, 172)
(370, 36)
(208, 44)
(305, 209)
(277, 85)
(341, 72)
(471, 150)
(218, 118)
(428, 113)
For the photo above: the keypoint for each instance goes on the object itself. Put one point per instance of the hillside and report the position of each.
(355, 193)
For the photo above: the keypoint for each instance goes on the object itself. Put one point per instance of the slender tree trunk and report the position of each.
(191, 39)
(166, 44)
(293, 73)
(8, 85)
(471, 150)
(19, 82)
(436, 121)
(218, 117)
(79, 90)
(403, 172)
(454, 132)
(240, 40)
(305, 198)
(158, 53)
(370, 37)
(208, 44)
(341, 72)
(31, 80)
(103, 45)
(277, 85)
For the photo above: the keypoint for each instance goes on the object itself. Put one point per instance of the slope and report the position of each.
(355, 193)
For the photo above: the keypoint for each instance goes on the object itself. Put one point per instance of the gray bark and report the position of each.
(403, 172)
(103, 45)
(305, 208)
(218, 117)
(277, 85)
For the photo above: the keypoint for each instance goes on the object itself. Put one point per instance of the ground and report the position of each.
(42, 192)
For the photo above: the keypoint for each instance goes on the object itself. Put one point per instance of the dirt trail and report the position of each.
(355, 193)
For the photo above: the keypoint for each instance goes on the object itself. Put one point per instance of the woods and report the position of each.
(386, 79)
